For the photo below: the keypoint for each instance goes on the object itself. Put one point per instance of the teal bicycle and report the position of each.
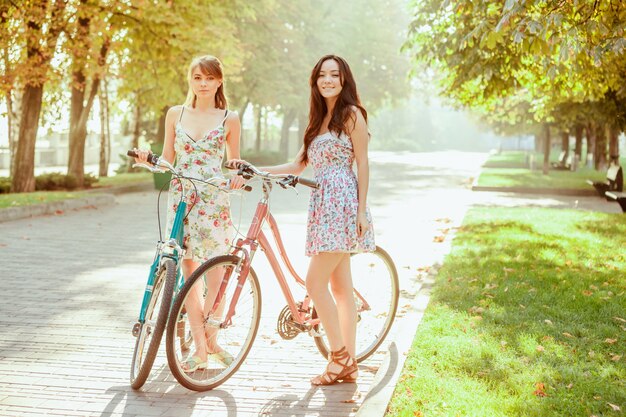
(165, 278)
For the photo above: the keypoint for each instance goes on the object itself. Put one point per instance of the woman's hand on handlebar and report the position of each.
(235, 163)
(236, 182)
(142, 156)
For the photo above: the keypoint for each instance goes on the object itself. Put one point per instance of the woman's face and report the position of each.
(329, 79)
(204, 85)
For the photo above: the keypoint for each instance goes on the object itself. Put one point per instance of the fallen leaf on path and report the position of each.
(615, 357)
(439, 239)
(587, 293)
(610, 341)
(540, 348)
(58, 212)
(418, 414)
(548, 322)
(619, 319)
(567, 335)
(569, 386)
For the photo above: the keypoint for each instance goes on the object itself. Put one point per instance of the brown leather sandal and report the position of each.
(349, 368)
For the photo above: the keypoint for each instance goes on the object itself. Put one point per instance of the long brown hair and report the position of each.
(209, 65)
(342, 112)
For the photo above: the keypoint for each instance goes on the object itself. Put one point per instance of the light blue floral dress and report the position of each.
(208, 229)
(331, 225)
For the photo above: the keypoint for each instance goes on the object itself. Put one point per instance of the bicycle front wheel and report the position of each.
(228, 343)
(376, 286)
(151, 330)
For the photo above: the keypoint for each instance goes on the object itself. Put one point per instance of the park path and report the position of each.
(71, 285)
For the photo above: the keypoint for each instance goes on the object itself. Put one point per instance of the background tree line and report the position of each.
(60, 56)
(534, 66)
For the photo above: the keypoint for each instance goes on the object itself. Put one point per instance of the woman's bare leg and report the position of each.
(342, 289)
(193, 305)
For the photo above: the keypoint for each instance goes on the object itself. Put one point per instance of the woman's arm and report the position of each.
(169, 154)
(233, 135)
(360, 139)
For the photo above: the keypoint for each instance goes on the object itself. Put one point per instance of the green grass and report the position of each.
(527, 318)
(510, 169)
(124, 179)
(511, 159)
(521, 177)
(38, 197)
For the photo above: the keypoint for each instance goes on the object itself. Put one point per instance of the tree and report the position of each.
(44, 22)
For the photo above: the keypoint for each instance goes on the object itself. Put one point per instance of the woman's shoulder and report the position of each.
(175, 111)
(231, 116)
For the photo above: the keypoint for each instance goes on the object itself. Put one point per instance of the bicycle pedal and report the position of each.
(315, 333)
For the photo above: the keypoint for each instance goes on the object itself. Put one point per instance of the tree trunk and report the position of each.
(24, 178)
(546, 149)
(259, 116)
(613, 142)
(288, 118)
(160, 136)
(39, 59)
(565, 144)
(578, 133)
(590, 133)
(105, 139)
(538, 142)
(242, 112)
(136, 130)
(599, 155)
(302, 124)
(79, 114)
(13, 109)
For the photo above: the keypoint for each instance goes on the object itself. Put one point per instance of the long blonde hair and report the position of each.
(209, 65)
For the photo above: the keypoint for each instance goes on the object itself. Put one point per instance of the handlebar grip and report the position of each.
(307, 182)
(152, 158)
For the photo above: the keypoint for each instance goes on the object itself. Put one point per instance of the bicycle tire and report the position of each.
(238, 344)
(161, 300)
(368, 343)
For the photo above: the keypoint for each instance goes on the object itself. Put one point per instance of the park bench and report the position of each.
(618, 197)
(614, 181)
(563, 163)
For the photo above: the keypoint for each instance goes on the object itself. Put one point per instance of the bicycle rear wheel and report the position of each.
(151, 331)
(235, 338)
(375, 278)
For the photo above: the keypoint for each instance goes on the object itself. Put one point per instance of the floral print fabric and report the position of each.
(208, 230)
(331, 225)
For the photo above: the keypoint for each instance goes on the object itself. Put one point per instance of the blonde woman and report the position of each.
(197, 134)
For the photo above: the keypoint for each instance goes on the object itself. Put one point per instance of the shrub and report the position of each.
(5, 185)
(51, 181)
(263, 157)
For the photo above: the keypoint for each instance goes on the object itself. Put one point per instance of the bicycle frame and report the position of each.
(255, 238)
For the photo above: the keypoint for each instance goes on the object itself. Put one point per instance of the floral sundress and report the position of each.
(331, 225)
(208, 229)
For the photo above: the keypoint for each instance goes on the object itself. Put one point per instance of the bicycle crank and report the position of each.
(287, 327)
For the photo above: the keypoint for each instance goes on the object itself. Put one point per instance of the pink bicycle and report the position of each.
(232, 313)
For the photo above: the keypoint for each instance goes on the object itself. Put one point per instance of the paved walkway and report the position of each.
(71, 285)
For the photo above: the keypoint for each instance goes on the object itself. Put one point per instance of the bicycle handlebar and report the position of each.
(248, 170)
(161, 163)
(152, 158)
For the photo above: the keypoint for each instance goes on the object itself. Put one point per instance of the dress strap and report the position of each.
(181, 113)
(225, 117)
